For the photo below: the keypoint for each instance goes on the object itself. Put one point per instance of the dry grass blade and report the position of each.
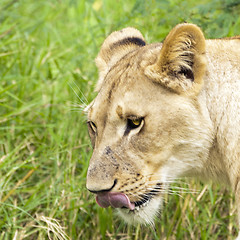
(17, 185)
(53, 228)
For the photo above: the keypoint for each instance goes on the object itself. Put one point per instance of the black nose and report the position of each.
(103, 190)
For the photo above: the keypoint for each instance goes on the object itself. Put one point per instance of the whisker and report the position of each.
(168, 180)
(78, 96)
(81, 92)
(77, 106)
(175, 188)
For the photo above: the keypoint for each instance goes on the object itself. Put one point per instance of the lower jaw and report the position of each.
(143, 214)
(138, 208)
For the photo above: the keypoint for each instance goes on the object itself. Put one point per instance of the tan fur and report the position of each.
(186, 90)
(106, 58)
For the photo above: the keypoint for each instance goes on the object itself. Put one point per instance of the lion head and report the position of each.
(147, 124)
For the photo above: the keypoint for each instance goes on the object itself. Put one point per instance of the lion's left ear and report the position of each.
(181, 63)
(115, 46)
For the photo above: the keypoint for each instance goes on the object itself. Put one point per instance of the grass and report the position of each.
(47, 51)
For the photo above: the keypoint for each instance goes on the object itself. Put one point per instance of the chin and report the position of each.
(143, 214)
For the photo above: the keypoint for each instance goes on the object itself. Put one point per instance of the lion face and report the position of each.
(144, 133)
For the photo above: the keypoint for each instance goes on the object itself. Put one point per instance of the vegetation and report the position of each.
(47, 72)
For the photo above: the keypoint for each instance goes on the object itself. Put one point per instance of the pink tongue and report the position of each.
(116, 200)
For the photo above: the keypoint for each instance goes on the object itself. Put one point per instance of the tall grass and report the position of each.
(47, 71)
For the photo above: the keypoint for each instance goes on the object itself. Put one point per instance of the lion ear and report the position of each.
(115, 46)
(181, 63)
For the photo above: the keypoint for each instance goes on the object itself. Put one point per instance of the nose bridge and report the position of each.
(101, 175)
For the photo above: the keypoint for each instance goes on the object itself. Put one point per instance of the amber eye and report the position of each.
(134, 123)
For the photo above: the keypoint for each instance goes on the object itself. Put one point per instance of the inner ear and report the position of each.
(181, 62)
(187, 72)
(179, 58)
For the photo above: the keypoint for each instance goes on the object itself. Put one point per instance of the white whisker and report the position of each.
(79, 98)
(81, 93)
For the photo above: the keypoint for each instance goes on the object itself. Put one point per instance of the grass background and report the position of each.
(47, 72)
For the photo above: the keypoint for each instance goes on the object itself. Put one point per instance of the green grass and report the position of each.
(47, 71)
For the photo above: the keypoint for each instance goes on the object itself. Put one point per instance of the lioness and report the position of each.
(163, 111)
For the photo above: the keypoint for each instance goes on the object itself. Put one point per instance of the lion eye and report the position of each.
(93, 126)
(134, 123)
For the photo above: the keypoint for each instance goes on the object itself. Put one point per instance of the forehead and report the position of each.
(120, 103)
(122, 76)
(118, 80)
(129, 98)
(126, 83)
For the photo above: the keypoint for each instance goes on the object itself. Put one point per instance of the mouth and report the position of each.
(146, 199)
(121, 200)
